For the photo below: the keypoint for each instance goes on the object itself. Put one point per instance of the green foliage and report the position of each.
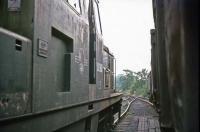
(133, 82)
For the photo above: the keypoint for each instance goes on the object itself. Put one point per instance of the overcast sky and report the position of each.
(126, 28)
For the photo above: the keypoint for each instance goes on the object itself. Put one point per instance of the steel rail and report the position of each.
(145, 100)
(129, 104)
(124, 113)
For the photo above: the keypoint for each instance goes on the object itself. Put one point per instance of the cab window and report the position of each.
(75, 4)
(86, 2)
(97, 17)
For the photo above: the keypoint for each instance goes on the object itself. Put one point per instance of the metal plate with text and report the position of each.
(14, 5)
(42, 48)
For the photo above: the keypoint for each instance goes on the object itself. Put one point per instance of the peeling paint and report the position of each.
(13, 104)
(179, 102)
(81, 59)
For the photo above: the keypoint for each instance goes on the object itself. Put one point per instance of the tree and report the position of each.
(133, 82)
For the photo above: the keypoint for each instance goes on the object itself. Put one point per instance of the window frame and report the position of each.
(97, 14)
(73, 8)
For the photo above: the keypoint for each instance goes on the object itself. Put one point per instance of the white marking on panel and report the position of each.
(99, 67)
(81, 59)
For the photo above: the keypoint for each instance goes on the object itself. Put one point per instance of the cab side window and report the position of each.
(75, 4)
(97, 17)
(86, 5)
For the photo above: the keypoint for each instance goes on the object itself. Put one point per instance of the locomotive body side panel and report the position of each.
(58, 89)
(62, 29)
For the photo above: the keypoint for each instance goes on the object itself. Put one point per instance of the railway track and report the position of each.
(138, 115)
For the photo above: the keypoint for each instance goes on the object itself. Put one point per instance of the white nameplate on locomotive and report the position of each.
(14, 5)
(42, 48)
